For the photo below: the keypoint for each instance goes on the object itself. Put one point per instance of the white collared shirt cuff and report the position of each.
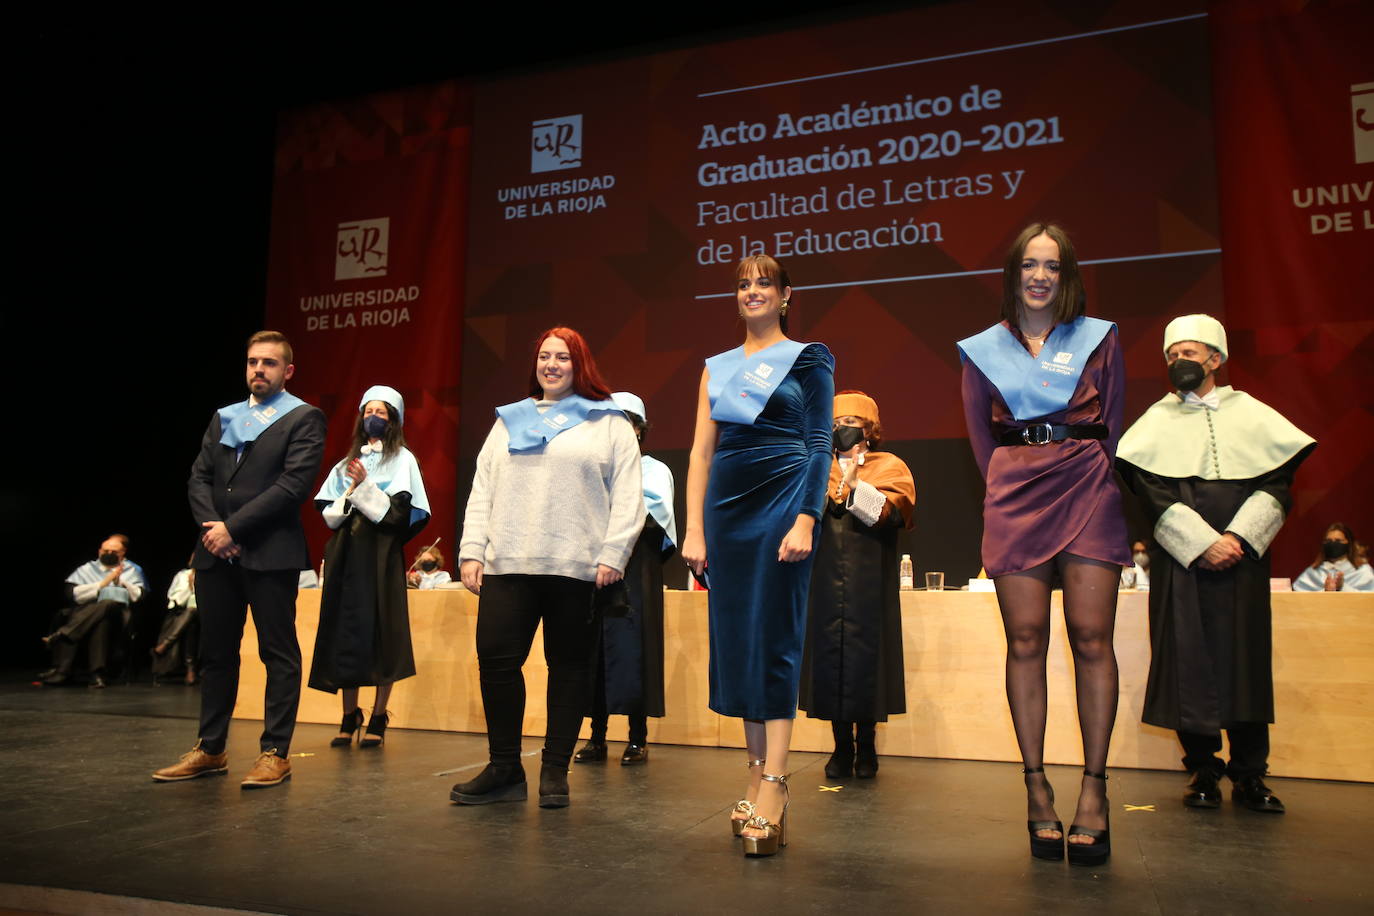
(85, 594)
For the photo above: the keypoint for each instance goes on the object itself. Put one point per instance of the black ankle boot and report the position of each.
(841, 763)
(553, 786)
(497, 783)
(866, 757)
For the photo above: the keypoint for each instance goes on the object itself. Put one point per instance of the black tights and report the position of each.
(1090, 614)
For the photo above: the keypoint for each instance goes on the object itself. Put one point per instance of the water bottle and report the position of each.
(905, 578)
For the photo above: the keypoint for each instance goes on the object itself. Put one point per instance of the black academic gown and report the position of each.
(364, 633)
(852, 665)
(633, 644)
(1210, 632)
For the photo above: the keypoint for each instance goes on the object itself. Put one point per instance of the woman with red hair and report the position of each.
(554, 513)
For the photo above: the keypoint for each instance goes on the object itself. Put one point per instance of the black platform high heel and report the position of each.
(352, 721)
(1051, 848)
(376, 729)
(1096, 852)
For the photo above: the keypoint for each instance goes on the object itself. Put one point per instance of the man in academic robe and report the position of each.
(1212, 468)
(258, 462)
(99, 595)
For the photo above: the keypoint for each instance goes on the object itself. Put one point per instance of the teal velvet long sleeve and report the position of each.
(762, 477)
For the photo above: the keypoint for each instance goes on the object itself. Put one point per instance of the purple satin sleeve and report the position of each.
(977, 392)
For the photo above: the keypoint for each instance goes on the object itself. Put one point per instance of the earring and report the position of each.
(783, 310)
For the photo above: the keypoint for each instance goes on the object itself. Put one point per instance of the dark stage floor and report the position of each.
(373, 831)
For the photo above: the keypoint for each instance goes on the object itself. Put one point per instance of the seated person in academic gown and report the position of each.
(99, 593)
(179, 637)
(428, 570)
(1334, 569)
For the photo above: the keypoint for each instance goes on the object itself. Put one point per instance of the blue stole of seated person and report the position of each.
(243, 422)
(1036, 386)
(530, 431)
(739, 386)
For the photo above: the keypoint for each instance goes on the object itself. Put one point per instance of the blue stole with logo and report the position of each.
(1035, 386)
(243, 422)
(739, 386)
(530, 431)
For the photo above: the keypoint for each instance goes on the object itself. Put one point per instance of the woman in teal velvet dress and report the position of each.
(755, 487)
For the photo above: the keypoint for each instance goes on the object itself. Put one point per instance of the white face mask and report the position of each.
(1141, 559)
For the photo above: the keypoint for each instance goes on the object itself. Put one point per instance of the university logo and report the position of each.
(560, 419)
(360, 251)
(556, 144)
(1362, 113)
(1063, 358)
(764, 370)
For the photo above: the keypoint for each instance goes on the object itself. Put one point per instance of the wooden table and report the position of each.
(956, 704)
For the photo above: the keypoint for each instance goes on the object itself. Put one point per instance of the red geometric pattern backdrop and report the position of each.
(1295, 142)
(1204, 157)
(366, 270)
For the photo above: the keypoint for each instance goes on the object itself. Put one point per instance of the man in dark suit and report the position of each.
(257, 464)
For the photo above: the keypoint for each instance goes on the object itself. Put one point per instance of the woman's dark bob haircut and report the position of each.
(1072, 300)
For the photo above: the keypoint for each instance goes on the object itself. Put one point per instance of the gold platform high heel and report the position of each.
(775, 835)
(743, 806)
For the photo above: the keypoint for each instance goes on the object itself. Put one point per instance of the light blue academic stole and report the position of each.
(243, 422)
(739, 386)
(1036, 386)
(659, 505)
(530, 431)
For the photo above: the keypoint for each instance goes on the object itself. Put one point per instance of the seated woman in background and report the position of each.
(1138, 575)
(1332, 569)
(428, 570)
(179, 637)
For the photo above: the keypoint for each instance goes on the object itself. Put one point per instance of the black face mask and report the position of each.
(846, 437)
(374, 427)
(428, 565)
(1186, 374)
(1334, 550)
(109, 559)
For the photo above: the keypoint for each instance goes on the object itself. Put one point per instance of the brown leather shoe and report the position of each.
(194, 763)
(268, 770)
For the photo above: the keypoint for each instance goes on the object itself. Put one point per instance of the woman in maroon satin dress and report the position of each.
(1044, 431)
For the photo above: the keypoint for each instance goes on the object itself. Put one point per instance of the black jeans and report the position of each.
(508, 614)
(224, 593)
(1249, 750)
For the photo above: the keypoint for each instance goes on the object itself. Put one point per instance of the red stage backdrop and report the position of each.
(1295, 141)
(366, 270)
(888, 161)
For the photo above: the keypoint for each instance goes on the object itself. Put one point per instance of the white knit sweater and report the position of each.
(559, 511)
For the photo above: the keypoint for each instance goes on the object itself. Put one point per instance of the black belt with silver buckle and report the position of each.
(1045, 433)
